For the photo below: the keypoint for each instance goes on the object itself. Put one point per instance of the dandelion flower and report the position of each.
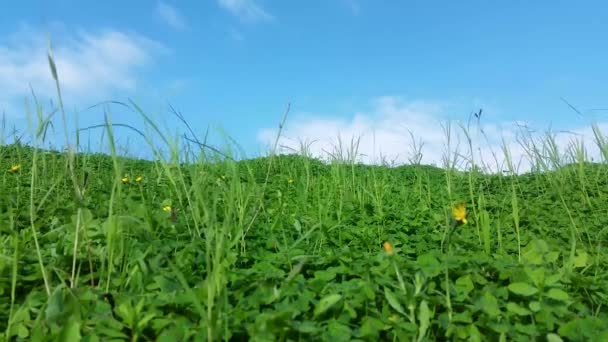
(388, 248)
(15, 168)
(125, 179)
(167, 208)
(459, 212)
(139, 179)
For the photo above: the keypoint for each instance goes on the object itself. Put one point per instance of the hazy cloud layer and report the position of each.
(396, 132)
(90, 65)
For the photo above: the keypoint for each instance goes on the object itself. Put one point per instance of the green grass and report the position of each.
(289, 248)
(246, 254)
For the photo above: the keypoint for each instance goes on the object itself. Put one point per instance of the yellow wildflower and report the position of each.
(125, 179)
(459, 212)
(167, 208)
(15, 168)
(139, 179)
(388, 248)
(290, 180)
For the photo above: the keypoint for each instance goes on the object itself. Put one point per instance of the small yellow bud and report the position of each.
(388, 248)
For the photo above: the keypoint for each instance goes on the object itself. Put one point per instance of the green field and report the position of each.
(192, 245)
(290, 248)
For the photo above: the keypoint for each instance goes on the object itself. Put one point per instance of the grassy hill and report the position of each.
(291, 249)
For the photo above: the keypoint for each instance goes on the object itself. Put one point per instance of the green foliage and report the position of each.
(210, 251)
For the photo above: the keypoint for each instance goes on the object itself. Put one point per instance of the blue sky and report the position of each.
(349, 67)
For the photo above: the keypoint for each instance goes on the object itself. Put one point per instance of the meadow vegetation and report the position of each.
(196, 246)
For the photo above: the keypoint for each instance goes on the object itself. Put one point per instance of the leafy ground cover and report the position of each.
(289, 248)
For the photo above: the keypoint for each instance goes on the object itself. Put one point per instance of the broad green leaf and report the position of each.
(307, 327)
(502, 327)
(489, 304)
(557, 294)
(370, 328)
(22, 331)
(430, 266)
(551, 256)
(474, 334)
(581, 259)
(55, 308)
(324, 275)
(393, 301)
(523, 289)
(534, 306)
(517, 309)
(339, 332)
(326, 302)
(424, 317)
(464, 285)
(553, 279)
(537, 275)
(462, 317)
(551, 337)
(167, 284)
(70, 331)
(533, 253)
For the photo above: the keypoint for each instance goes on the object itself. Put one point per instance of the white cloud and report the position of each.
(90, 66)
(245, 9)
(170, 15)
(384, 133)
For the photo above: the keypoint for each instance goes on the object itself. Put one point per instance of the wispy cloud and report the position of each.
(171, 16)
(246, 10)
(91, 66)
(400, 132)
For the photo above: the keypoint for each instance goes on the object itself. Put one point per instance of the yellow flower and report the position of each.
(125, 179)
(167, 208)
(290, 180)
(459, 212)
(388, 248)
(139, 179)
(15, 168)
